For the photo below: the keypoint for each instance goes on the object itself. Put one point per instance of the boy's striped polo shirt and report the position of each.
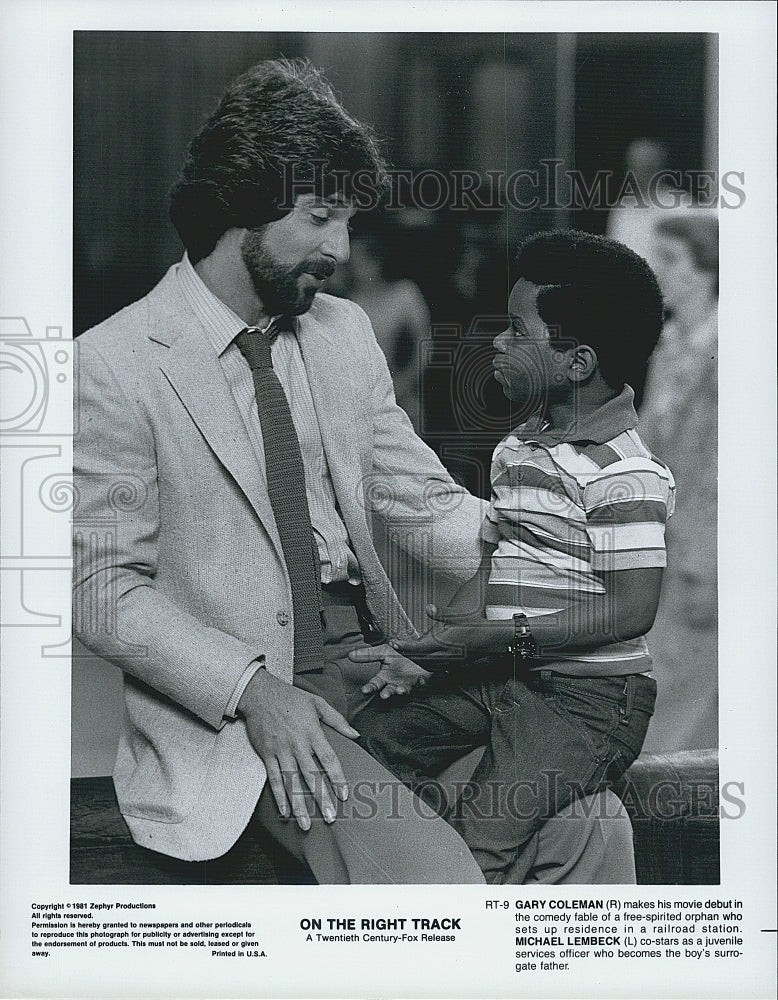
(567, 507)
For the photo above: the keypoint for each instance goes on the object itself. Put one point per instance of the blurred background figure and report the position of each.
(398, 312)
(633, 222)
(678, 421)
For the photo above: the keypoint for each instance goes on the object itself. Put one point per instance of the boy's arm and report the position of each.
(625, 611)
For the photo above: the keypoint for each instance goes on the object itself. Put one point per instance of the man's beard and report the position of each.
(278, 287)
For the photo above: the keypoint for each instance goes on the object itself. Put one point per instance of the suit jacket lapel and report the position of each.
(195, 374)
(337, 408)
(348, 447)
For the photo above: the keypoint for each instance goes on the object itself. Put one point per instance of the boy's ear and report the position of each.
(583, 363)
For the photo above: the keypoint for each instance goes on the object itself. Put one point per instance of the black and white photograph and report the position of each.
(380, 511)
(490, 170)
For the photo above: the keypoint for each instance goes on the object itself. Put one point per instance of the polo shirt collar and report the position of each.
(604, 424)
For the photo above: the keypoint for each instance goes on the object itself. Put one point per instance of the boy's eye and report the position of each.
(318, 218)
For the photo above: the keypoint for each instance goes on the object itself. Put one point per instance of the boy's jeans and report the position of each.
(549, 739)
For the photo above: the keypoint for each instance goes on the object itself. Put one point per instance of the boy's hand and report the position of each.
(396, 675)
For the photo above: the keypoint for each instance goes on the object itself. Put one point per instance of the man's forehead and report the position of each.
(334, 202)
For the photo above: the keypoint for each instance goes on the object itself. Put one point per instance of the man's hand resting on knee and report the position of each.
(284, 726)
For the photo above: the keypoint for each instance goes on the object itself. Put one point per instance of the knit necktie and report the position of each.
(286, 488)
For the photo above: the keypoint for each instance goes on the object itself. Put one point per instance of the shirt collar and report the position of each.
(221, 324)
(604, 424)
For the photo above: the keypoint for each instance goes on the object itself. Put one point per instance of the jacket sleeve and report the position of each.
(118, 613)
(427, 513)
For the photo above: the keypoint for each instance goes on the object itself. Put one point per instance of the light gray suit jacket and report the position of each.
(179, 574)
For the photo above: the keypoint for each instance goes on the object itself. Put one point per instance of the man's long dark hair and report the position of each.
(278, 131)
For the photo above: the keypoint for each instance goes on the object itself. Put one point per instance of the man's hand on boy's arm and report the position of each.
(441, 643)
(455, 637)
(396, 674)
(469, 599)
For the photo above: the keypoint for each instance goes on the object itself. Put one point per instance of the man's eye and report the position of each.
(319, 220)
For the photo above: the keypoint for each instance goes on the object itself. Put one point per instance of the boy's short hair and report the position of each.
(595, 291)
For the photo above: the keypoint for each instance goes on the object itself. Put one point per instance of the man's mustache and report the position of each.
(322, 268)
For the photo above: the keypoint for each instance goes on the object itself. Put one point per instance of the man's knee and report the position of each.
(384, 833)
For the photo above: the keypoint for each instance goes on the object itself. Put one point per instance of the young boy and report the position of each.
(544, 656)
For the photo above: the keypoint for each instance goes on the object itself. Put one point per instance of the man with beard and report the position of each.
(237, 434)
